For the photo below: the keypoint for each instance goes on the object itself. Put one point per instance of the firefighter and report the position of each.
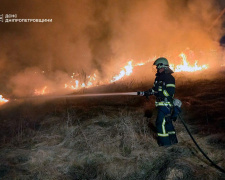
(163, 89)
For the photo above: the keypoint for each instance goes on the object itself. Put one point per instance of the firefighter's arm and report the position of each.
(153, 90)
(169, 89)
(146, 93)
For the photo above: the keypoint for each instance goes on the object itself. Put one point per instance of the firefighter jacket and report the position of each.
(164, 88)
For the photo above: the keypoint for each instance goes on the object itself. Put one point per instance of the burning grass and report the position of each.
(51, 83)
(111, 137)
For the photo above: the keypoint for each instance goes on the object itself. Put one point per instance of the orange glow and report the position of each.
(79, 80)
(3, 100)
(129, 68)
(140, 64)
(126, 70)
(186, 67)
(40, 92)
(77, 84)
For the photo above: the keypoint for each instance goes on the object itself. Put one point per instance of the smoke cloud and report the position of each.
(100, 36)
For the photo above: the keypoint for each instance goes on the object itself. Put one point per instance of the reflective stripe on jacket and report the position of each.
(165, 86)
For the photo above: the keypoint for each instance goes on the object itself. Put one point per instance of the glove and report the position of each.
(140, 93)
(145, 93)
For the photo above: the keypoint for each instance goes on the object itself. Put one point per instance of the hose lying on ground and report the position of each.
(214, 164)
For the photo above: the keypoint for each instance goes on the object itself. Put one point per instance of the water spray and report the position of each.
(78, 95)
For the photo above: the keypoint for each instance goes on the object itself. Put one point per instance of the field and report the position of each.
(113, 137)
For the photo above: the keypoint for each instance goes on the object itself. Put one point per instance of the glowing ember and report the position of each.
(185, 66)
(3, 100)
(40, 92)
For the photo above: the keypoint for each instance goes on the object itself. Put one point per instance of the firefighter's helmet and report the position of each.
(161, 63)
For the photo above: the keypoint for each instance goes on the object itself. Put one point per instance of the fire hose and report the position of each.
(76, 95)
(147, 94)
(177, 109)
(199, 148)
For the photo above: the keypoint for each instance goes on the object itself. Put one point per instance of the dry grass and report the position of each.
(110, 138)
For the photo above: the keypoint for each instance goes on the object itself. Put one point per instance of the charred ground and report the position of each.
(113, 137)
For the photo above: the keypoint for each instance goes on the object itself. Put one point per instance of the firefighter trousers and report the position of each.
(165, 129)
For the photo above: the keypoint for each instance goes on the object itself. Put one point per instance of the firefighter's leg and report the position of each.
(163, 136)
(171, 131)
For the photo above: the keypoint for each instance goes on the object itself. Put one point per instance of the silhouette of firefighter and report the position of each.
(164, 89)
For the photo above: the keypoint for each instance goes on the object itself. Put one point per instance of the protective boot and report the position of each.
(171, 131)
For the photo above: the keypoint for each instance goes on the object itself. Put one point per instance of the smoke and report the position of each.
(99, 36)
(33, 81)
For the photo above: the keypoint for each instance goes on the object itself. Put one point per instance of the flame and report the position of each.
(185, 66)
(129, 68)
(77, 84)
(92, 80)
(40, 92)
(3, 100)
(80, 80)
(140, 64)
(126, 70)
